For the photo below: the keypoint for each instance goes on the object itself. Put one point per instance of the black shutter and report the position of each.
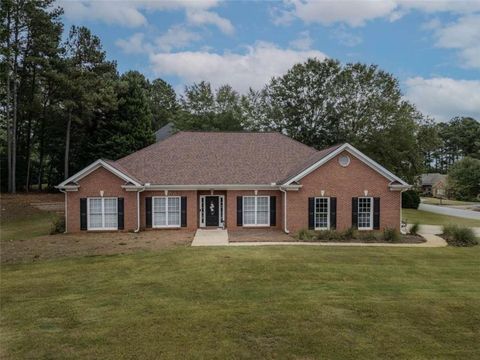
(83, 214)
(148, 212)
(120, 213)
(273, 210)
(376, 213)
(311, 213)
(333, 213)
(184, 211)
(355, 212)
(239, 211)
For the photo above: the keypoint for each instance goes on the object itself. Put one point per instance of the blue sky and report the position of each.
(432, 47)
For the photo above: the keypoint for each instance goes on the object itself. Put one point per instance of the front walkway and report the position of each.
(210, 237)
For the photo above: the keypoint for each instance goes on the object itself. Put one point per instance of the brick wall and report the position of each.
(343, 183)
(90, 186)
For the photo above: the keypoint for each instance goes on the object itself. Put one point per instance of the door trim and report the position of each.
(221, 212)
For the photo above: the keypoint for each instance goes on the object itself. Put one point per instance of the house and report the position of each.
(433, 184)
(234, 180)
(164, 132)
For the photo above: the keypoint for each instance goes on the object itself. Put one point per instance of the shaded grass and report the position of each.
(436, 201)
(429, 218)
(267, 302)
(26, 227)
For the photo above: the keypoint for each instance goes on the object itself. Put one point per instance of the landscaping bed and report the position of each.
(388, 236)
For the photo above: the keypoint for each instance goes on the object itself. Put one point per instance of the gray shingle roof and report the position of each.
(432, 178)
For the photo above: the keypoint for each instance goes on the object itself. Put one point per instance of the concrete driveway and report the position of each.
(444, 210)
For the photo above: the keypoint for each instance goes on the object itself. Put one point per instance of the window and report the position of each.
(256, 210)
(322, 213)
(166, 211)
(365, 213)
(102, 214)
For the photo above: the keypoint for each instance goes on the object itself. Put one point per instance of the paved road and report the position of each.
(469, 214)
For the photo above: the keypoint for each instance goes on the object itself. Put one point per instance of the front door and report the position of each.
(211, 211)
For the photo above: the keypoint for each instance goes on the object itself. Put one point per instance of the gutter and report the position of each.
(66, 208)
(138, 209)
(284, 210)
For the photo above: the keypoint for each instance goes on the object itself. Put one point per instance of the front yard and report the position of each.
(428, 218)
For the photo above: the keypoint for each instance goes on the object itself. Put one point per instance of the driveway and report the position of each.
(444, 210)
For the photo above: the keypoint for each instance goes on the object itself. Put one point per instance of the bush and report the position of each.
(459, 236)
(350, 233)
(367, 236)
(58, 225)
(410, 199)
(414, 229)
(391, 235)
(306, 235)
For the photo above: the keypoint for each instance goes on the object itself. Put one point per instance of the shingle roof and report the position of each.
(432, 178)
(214, 158)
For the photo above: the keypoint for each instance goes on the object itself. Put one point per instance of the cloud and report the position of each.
(253, 68)
(345, 37)
(176, 37)
(135, 44)
(303, 42)
(203, 17)
(444, 98)
(357, 12)
(463, 35)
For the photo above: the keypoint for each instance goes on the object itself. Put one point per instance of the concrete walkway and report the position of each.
(210, 237)
(450, 211)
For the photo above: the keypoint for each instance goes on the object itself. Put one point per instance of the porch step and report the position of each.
(210, 237)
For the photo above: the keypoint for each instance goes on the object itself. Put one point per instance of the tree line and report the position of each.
(64, 104)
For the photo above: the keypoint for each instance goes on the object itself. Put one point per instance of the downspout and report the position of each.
(138, 210)
(284, 210)
(66, 209)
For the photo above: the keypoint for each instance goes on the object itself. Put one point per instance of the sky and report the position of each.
(432, 47)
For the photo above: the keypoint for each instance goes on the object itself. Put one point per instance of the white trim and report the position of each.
(221, 210)
(255, 211)
(156, 187)
(315, 213)
(92, 167)
(166, 212)
(103, 228)
(358, 154)
(371, 213)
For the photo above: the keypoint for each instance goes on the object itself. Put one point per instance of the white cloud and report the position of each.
(345, 37)
(176, 37)
(463, 35)
(203, 17)
(135, 44)
(254, 68)
(444, 98)
(358, 12)
(303, 42)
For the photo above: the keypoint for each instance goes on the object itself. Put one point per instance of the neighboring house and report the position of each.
(433, 184)
(164, 132)
(234, 180)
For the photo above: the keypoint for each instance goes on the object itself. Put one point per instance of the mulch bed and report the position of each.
(405, 239)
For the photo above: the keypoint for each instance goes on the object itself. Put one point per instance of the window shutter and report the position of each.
(148, 212)
(273, 210)
(376, 213)
(120, 213)
(184, 211)
(311, 213)
(239, 211)
(355, 212)
(83, 214)
(333, 213)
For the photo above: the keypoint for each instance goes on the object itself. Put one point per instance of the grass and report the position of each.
(436, 201)
(219, 303)
(428, 218)
(33, 225)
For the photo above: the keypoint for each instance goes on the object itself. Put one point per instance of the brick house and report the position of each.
(234, 180)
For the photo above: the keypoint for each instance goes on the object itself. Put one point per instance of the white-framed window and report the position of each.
(322, 213)
(102, 213)
(365, 213)
(256, 210)
(166, 211)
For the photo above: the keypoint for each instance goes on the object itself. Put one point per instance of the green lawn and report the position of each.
(428, 218)
(33, 225)
(435, 201)
(251, 303)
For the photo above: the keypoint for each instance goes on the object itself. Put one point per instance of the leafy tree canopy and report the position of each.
(464, 179)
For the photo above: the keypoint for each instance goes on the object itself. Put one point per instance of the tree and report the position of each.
(464, 179)
(163, 103)
(202, 109)
(322, 103)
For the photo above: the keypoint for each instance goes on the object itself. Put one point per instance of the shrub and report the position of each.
(306, 235)
(367, 236)
(410, 199)
(414, 229)
(58, 225)
(391, 235)
(331, 235)
(349, 234)
(459, 236)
